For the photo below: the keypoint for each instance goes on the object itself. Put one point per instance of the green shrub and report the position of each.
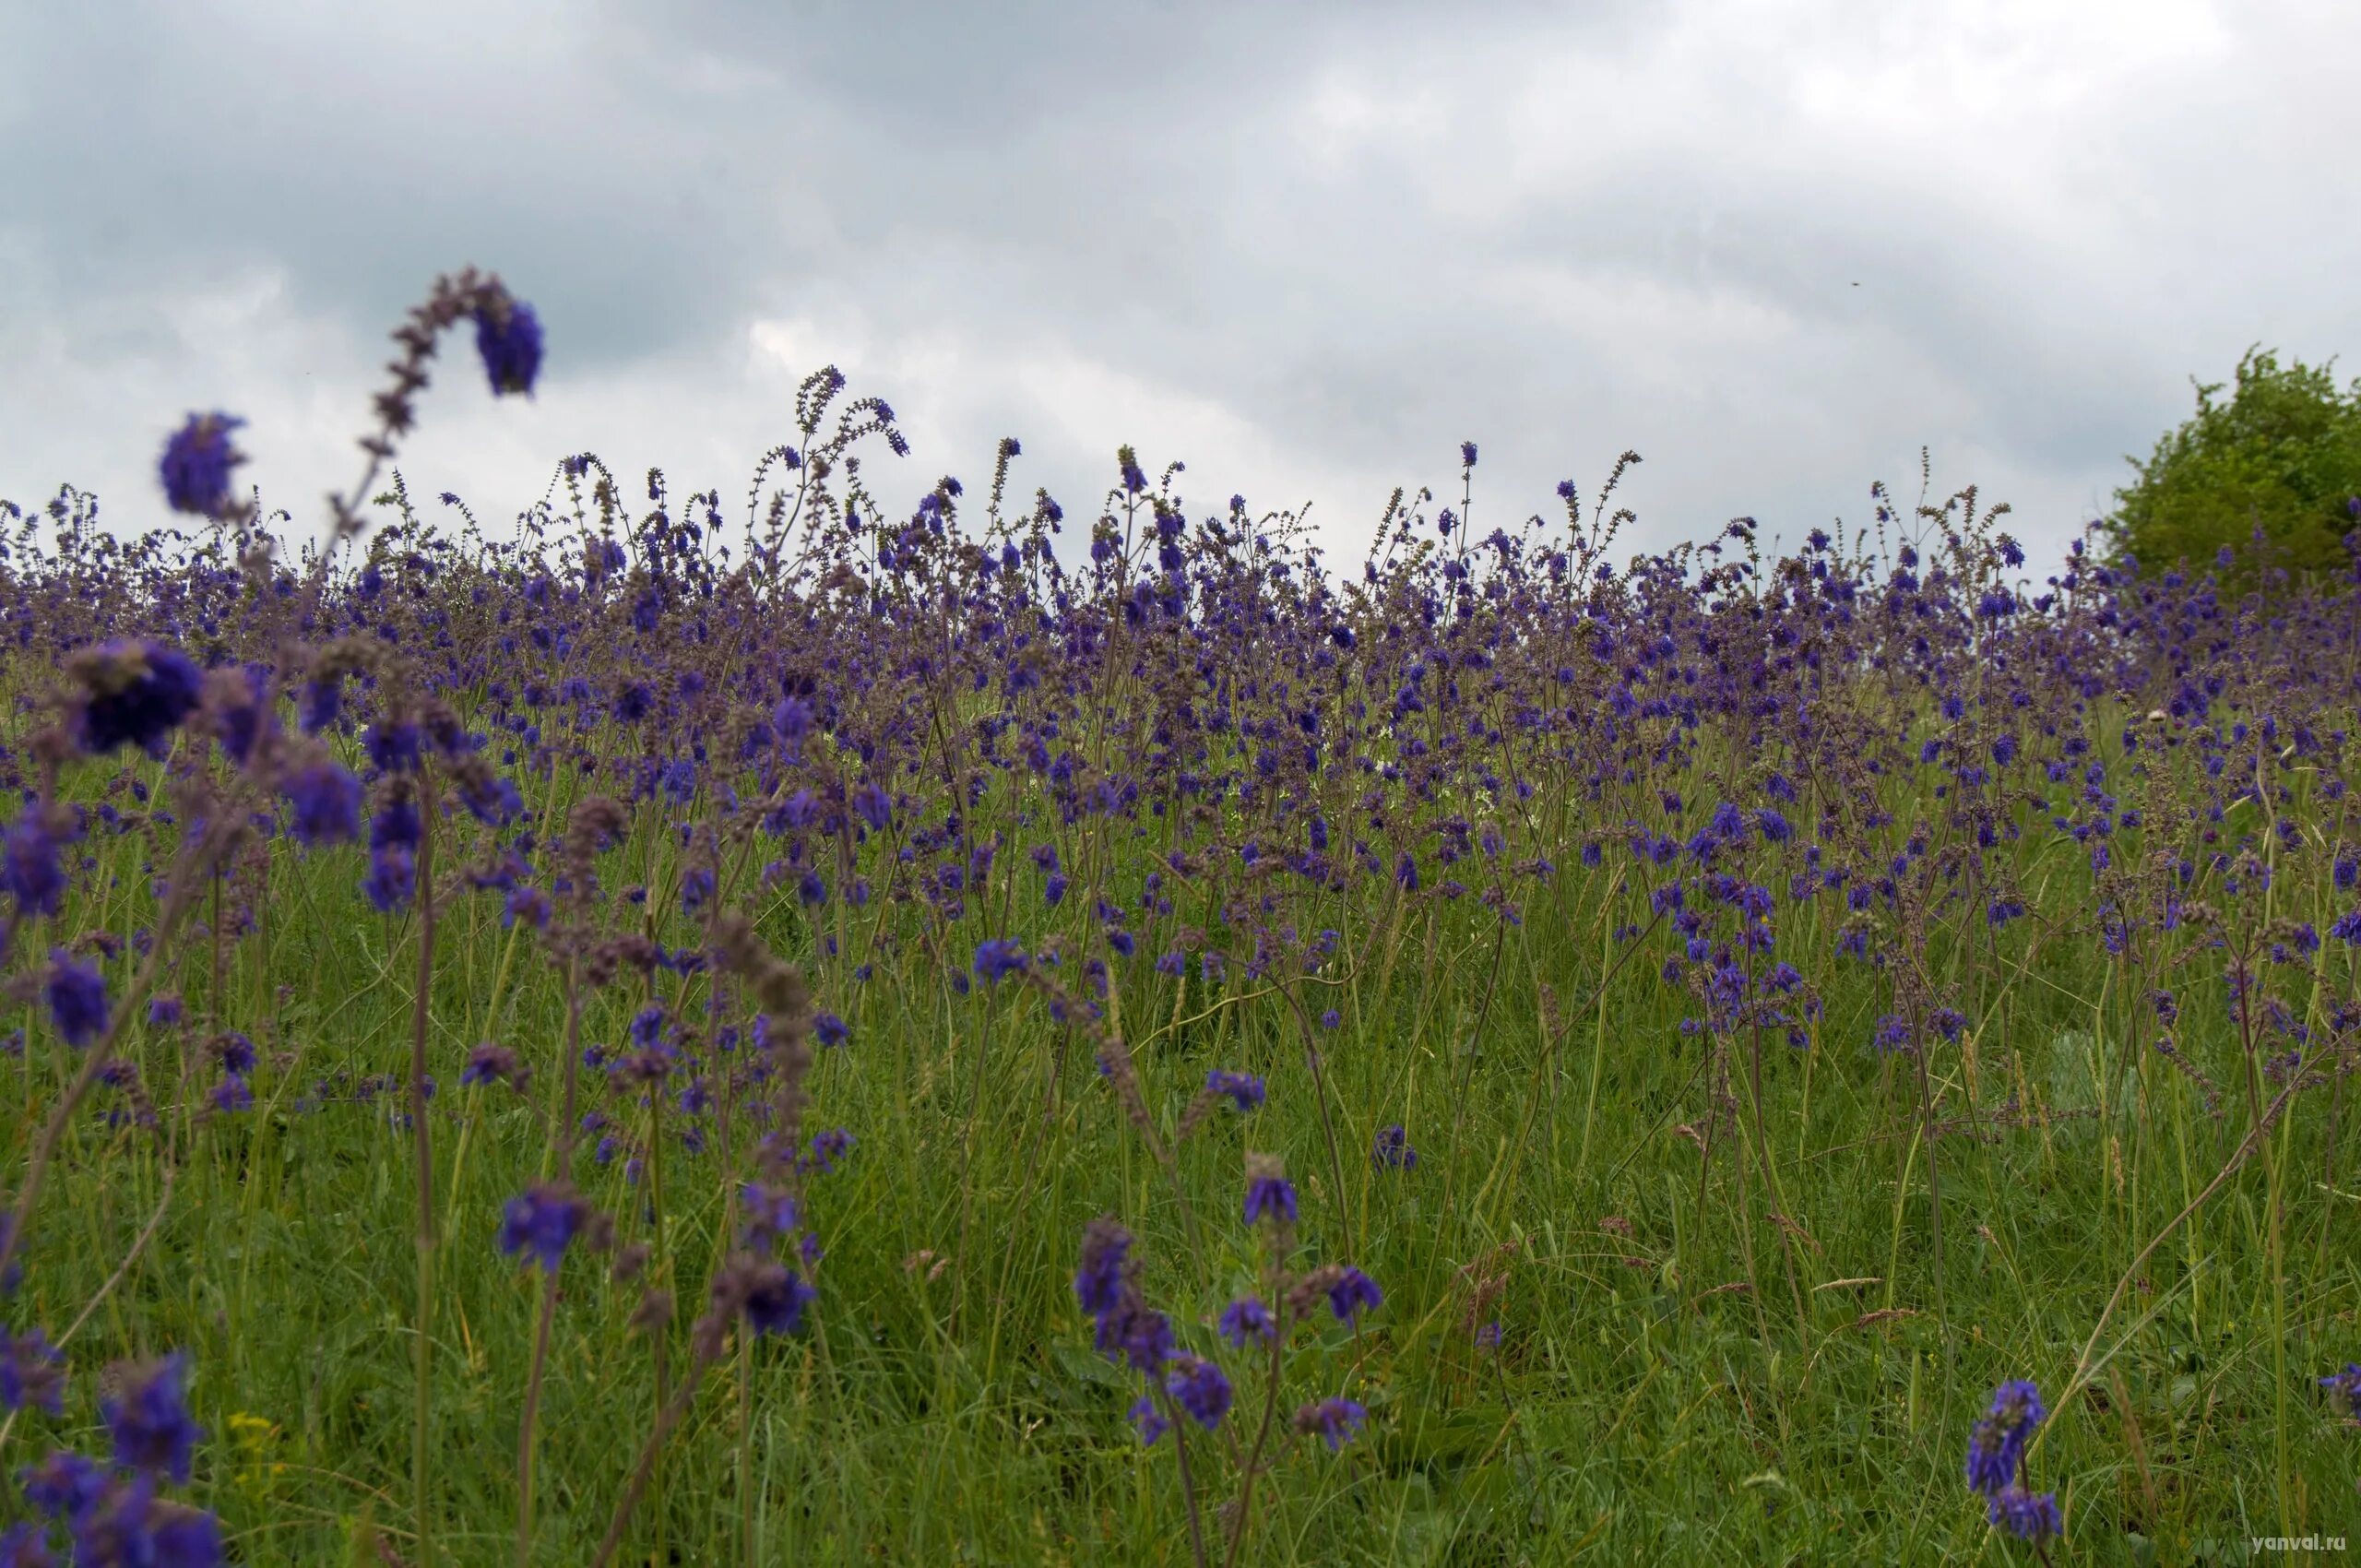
(2282, 457)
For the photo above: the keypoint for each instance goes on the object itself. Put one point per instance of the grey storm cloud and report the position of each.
(1307, 249)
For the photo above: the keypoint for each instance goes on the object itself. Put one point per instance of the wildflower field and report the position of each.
(848, 1032)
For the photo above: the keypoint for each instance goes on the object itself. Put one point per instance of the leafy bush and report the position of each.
(2277, 467)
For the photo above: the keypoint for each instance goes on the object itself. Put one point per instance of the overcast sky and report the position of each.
(1307, 250)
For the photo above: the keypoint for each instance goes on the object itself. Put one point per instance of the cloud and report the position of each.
(1307, 249)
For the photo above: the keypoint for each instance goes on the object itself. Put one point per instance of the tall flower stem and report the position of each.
(746, 1445)
(532, 1409)
(666, 1420)
(1254, 1454)
(1188, 1484)
(562, 1152)
(657, 1331)
(1320, 1099)
(423, 1147)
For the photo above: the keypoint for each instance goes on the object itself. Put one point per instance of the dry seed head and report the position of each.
(654, 1311)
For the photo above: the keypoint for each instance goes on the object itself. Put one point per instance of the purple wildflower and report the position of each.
(1245, 1319)
(998, 957)
(829, 1147)
(77, 998)
(776, 1300)
(542, 1220)
(326, 798)
(1996, 1444)
(1136, 1333)
(2344, 1387)
(1098, 1283)
(508, 337)
(771, 1213)
(1198, 1387)
(30, 867)
(26, 1545)
(65, 1484)
(1149, 1419)
(1393, 1150)
(489, 1063)
(196, 463)
(32, 1371)
(2027, 1515)
(135, 694)
(1335, 1421)
(148, 1418)
(1353, 1294)
(1244, 1090)
(1272, 1196)
(130, 1524)
(394, 746)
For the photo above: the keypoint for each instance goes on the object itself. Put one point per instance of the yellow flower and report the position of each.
(254, 1436)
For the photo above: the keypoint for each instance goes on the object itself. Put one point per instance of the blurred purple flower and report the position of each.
(508, 337)
(542, 1221)
(77, 998)
(196, 463)
(1244, 1090)
(133, 694)
(1198, 1387)
(1335, 1421)
(326, 798)
(1245, 1319)
(148, 1418)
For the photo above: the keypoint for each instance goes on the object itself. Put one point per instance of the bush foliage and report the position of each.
(2273, 475)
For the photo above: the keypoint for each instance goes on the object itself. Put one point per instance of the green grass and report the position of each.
(1639, 1409)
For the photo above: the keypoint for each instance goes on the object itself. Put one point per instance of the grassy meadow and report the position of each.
(1736, 1010)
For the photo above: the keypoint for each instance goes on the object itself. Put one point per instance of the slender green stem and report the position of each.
(423, 1150)
(746, 1446)
(526, 1427)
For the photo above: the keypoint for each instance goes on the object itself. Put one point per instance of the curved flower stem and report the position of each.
(138, 1245)
(2084, 1367)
